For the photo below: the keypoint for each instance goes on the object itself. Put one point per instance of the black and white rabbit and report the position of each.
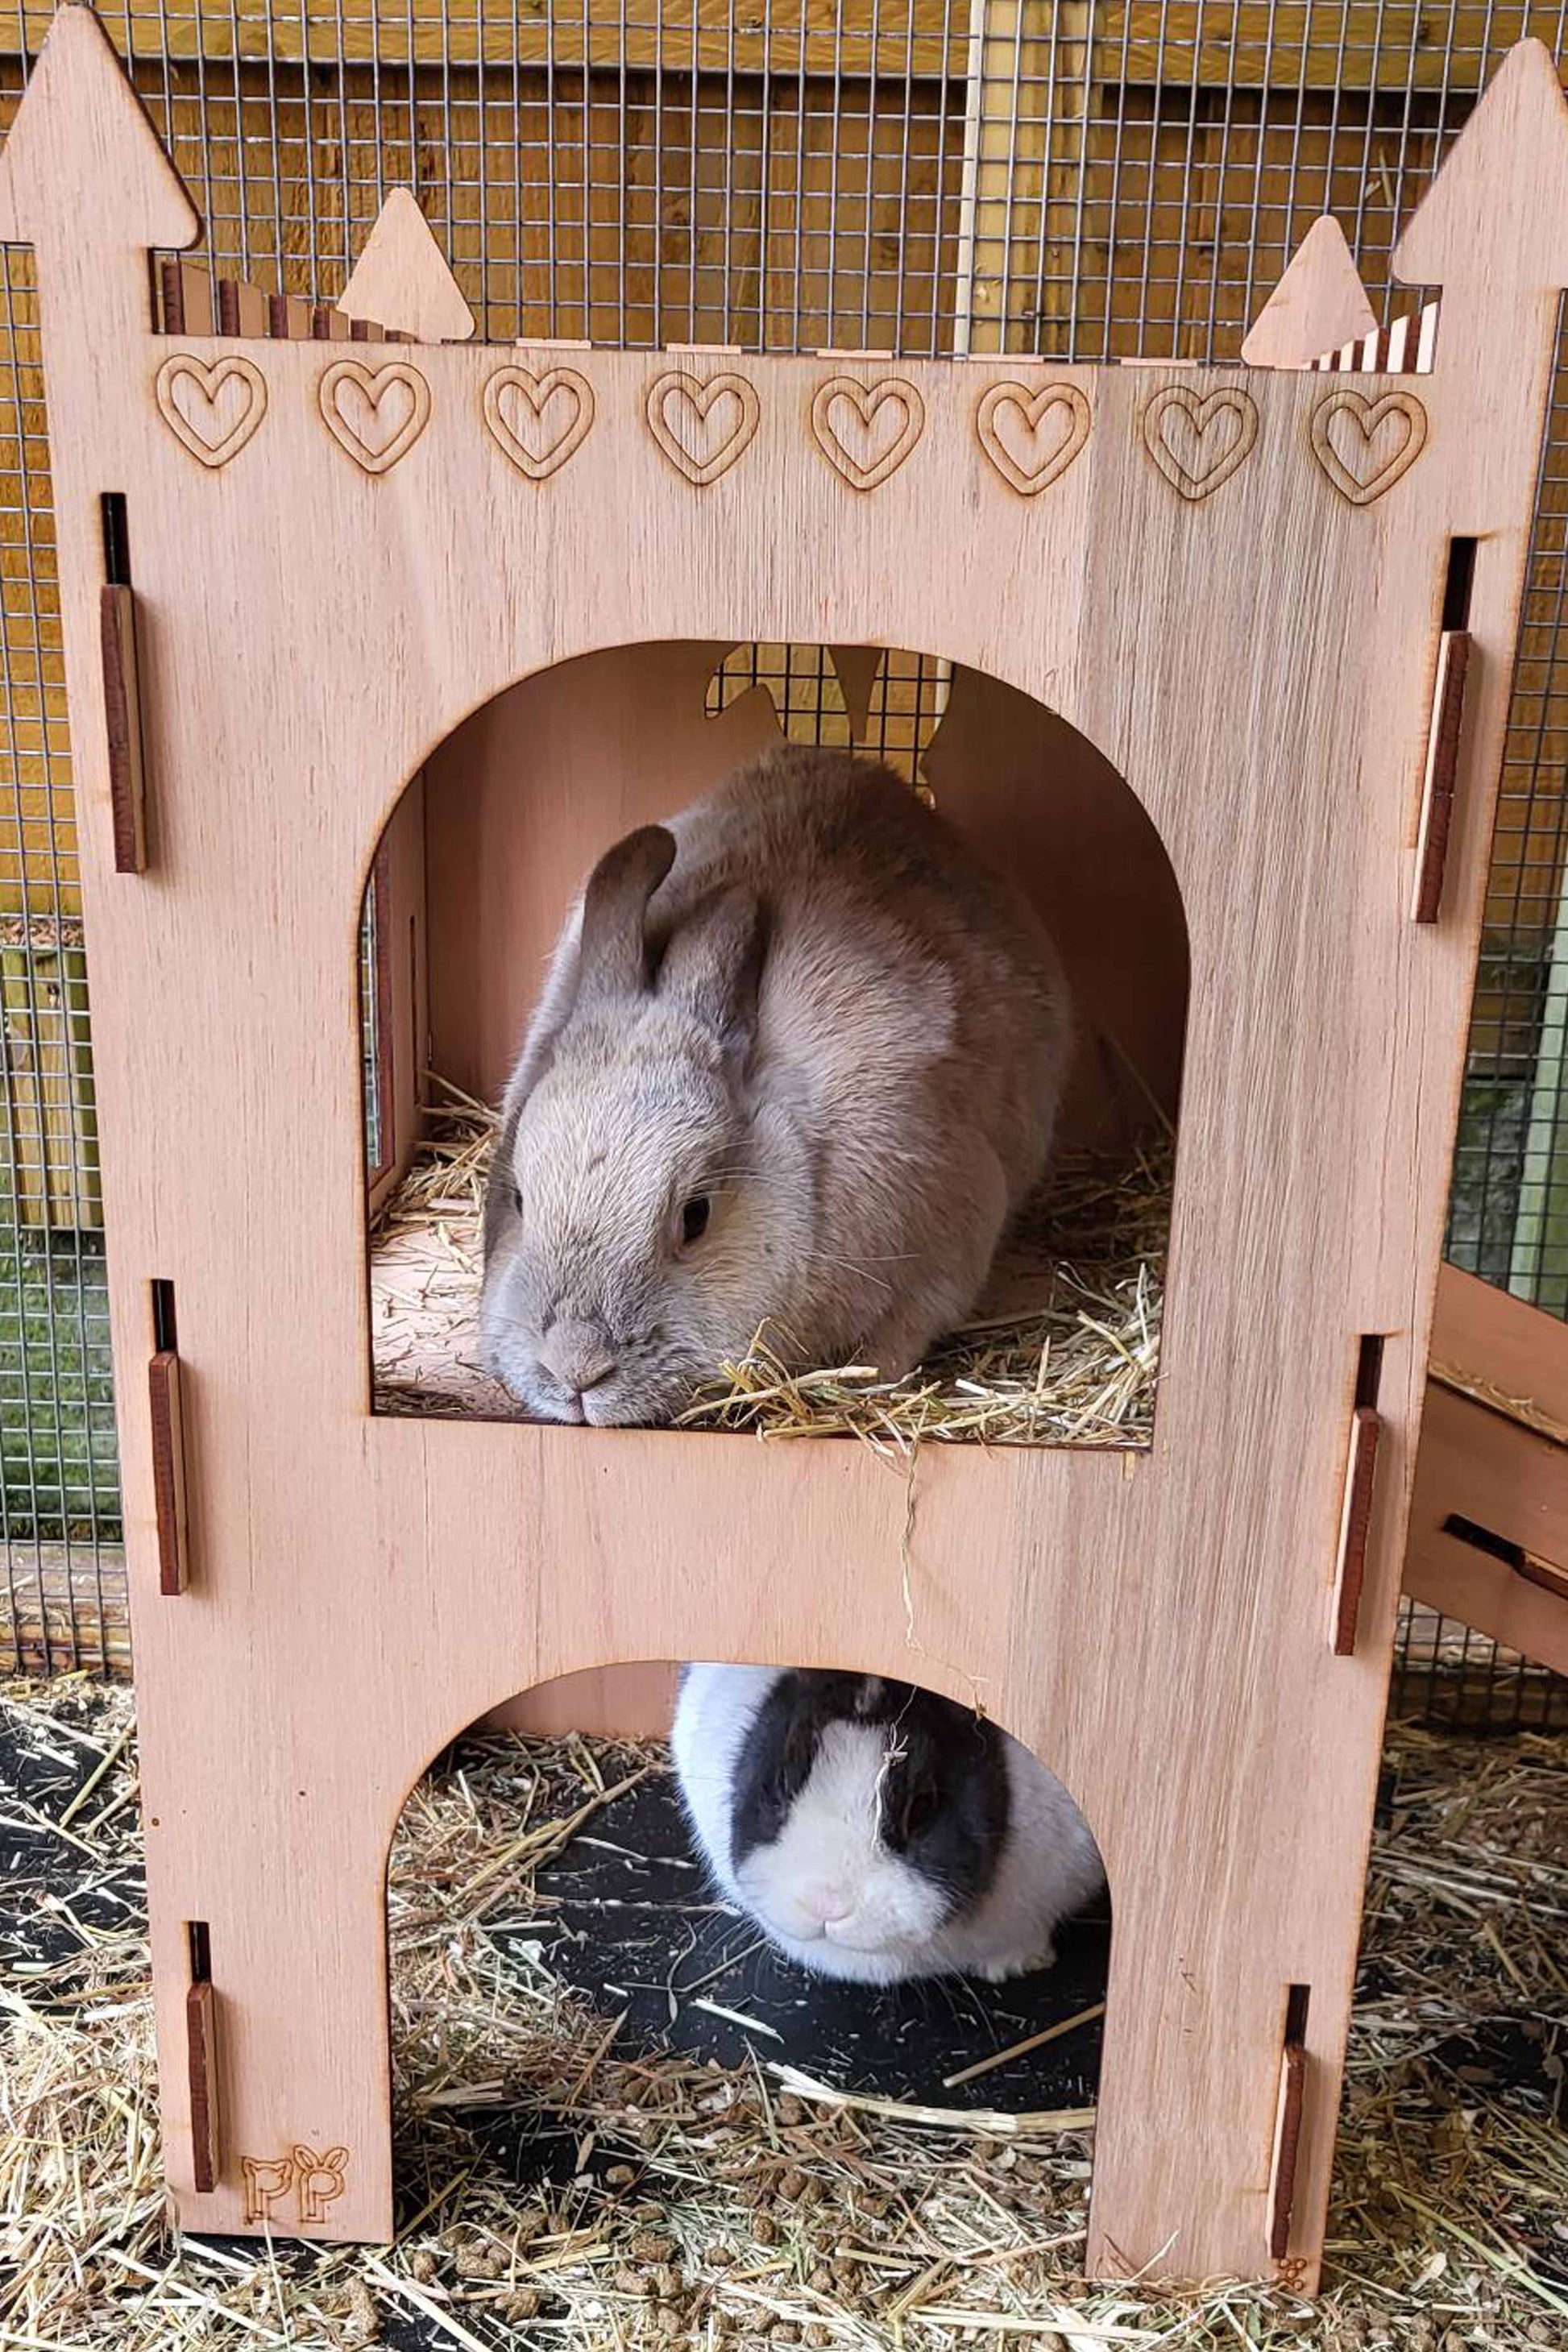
(874, 1831)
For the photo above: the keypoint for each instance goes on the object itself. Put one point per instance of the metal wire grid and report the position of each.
(908, 698)
(915, 175)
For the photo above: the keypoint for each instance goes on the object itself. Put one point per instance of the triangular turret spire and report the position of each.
(1319, 305)
(136, 198)
(402, 281)
(1495, 221)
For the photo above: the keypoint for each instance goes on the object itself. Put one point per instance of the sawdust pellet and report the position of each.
(669, 2321)
(649, 2247)
(667, 2279)
(620, 2176)
(362, 2319)
(765, 2230)
(422, 2265)
(522, 2303)
(630, 2282)
(817, 2336)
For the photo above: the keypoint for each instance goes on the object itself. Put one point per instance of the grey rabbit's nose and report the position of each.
(576, 1354)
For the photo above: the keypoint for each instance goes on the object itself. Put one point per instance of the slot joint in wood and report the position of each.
(1442, 767)
(1355, 1509)
(123, 725)
(1355, 1520)
(200, 2059)
(1290, 2107)
(167, 1422)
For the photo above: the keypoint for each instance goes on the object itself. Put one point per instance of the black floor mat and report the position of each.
(638, 1930)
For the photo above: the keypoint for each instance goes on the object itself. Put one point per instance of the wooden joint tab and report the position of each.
(169, 1471)
(201, 2061)
(1355, 1520)
(1545, 1574)
(123, 725)
(1442, 766)
(1289, 2110)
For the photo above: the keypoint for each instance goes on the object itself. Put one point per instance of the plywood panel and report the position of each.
(1253, 651)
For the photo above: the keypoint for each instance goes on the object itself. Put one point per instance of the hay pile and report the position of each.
(1063, 1351)
(734, 2211)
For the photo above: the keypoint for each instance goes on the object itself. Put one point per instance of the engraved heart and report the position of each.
(1032, 437)
(702, 426)
(538, 420)
(1363, 446)
(1197, 444)
(376, 415)
(211, 410)
(867, 430)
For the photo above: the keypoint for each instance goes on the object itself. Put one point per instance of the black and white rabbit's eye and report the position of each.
(918, 1815)
(694, 1218)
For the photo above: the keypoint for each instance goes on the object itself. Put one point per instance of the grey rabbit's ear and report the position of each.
(613, 954)
(712, 966)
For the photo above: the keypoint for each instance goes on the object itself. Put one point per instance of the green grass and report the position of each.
(58, 1473)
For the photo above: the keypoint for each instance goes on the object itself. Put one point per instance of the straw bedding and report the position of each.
(692, 2207)
(1064, 1349)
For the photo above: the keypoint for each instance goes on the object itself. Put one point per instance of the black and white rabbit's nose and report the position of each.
(576, 1354)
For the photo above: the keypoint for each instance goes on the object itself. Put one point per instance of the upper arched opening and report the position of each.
(484, 854)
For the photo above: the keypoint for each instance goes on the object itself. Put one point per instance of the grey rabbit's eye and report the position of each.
(517, 1198)
(694, 1218)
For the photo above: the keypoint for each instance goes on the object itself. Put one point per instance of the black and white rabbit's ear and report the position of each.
(712, 967)
(613, 959)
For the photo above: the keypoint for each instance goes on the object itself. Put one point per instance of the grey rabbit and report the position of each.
(797, 1063)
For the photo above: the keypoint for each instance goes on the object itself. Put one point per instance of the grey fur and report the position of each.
(828, 1019)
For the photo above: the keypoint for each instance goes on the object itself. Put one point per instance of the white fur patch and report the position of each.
(828, 1887)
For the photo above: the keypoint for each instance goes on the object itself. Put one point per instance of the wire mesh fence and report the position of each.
(922, 177)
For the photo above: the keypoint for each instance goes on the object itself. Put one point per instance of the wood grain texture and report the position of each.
(922, 39)
(1365, 446)
(1287, 2151)
(1031, 434)
(1256, 665)
(1199, 439)
(166, 1420)
(1319, 304)
(122, 726)
(202, 2077)
(402, 980)
(1355, 1522)
(1481, 1467)
(211, 410)
(1442, 767)
(1485, 1338)
(402, 278)
(1494, 1455)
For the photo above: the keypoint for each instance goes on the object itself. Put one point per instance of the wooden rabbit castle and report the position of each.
(1279, 603)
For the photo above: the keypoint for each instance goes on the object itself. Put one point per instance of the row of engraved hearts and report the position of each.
(866, 431)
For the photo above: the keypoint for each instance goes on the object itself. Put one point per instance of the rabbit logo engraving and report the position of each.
(318, 2182)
